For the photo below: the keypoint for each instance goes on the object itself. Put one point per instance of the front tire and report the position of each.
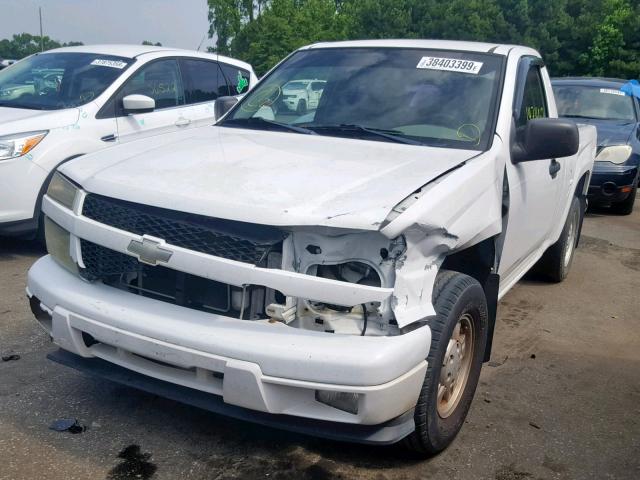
(302, 107)
(458, 341)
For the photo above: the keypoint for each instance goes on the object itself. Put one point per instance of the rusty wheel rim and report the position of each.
(456, 366)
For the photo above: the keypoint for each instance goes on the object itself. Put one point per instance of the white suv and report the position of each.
(67, 102)
(302, 95)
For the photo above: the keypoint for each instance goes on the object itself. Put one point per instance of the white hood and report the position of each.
(272, 178)
(19, 120)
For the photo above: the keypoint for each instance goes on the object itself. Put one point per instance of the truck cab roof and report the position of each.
(455, 45)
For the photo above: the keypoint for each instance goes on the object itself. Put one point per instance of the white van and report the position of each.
(60, 104)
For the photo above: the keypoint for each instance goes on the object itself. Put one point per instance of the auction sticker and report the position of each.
(109, 63)
(612, 91)
(450, 64)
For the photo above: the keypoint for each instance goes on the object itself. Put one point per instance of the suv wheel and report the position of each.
(302, 107)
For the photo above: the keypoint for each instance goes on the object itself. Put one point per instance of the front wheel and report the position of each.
(458, 340)
(302, 107)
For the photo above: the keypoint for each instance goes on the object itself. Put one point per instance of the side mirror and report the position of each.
(223, 105)
(138, 104)
(544, 138)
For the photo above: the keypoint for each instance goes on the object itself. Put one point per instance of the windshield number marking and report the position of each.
(611, 91)
(109, 63)
(450, 65)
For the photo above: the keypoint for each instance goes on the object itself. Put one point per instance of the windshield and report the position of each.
(439, 98)
(53, 81)
(593, 102)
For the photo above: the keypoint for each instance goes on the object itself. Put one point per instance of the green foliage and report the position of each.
(151, 44)
(285, 26)
(24, 44)
(576, 37)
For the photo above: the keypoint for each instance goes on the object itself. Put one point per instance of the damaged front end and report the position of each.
(320, 279)
(356, 258)
(311, 278)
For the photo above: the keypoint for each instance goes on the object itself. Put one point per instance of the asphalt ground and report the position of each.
(560, 399)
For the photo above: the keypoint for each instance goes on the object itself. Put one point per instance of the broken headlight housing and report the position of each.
(62, 190)
(357, 319)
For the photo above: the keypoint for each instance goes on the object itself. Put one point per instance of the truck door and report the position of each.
(534, 186)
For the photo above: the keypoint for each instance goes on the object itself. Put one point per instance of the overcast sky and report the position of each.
(175, 23)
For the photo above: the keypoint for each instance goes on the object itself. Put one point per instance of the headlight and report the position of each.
(58, 244)
(13, 146)
(62, 190)
(614, 154)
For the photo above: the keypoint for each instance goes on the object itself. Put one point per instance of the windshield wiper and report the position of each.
(575, 115)
(393, 135)
(600, 118)
(254, 122)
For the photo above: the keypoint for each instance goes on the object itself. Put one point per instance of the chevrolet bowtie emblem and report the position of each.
(149, 251)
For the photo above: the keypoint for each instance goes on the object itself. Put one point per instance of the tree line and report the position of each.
(575, 37)
(24, 44)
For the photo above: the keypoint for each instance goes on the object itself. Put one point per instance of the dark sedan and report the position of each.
(615, 114)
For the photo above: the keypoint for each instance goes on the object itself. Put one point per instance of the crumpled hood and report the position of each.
(271, 178)
(19, 120)
(612, 132)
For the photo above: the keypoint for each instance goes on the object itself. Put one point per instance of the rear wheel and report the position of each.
(556, 261)
(626, 206)
(459, 337)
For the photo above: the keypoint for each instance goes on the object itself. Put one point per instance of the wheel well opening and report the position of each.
(478, 261)
(581, 188)
(581, 193)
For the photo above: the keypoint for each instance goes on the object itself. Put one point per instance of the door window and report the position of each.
(159, 80)
(237, 79)
(204, 81)
(534, 103)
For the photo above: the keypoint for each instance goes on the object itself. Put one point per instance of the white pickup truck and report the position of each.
(335, 272)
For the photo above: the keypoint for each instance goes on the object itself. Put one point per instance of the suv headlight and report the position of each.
(62, 190)
(614, 154)
(19, 144)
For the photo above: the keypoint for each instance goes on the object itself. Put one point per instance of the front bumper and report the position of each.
(385, 434)
(259, 366)
(611, 183)
(21, 182)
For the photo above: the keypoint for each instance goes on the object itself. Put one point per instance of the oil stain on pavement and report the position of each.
(135, 465)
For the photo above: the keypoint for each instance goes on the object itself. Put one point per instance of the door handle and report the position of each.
(109, 138)
(182, 122)
(554, 168)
